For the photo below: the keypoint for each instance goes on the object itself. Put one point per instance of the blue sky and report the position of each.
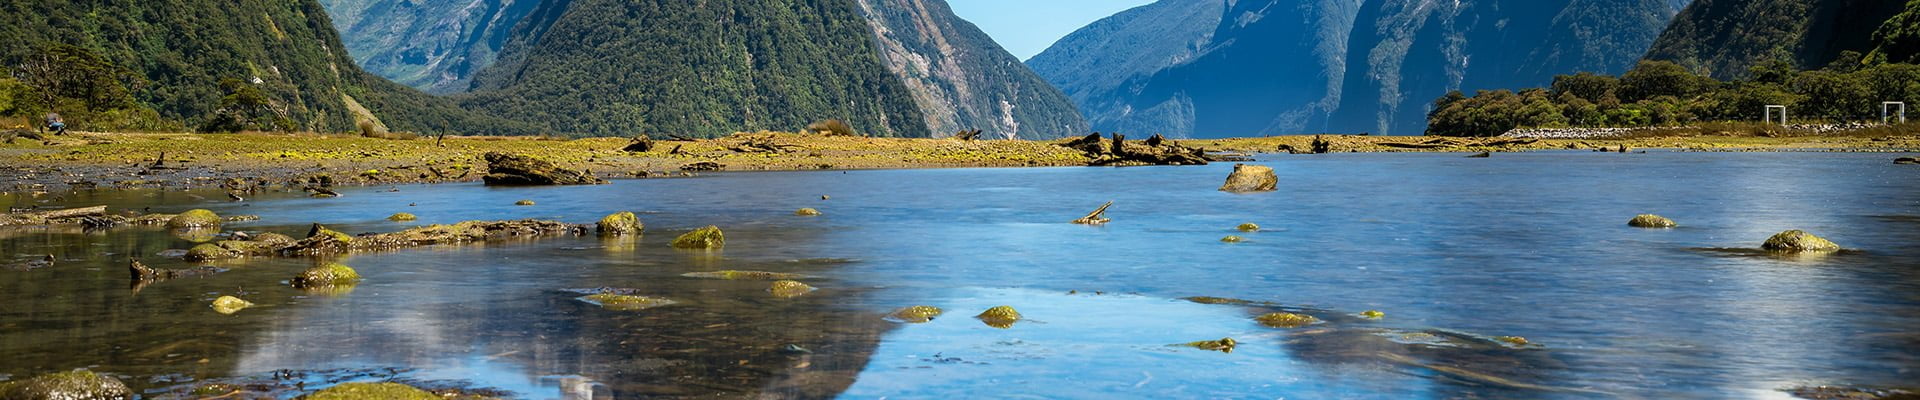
(1026, 27)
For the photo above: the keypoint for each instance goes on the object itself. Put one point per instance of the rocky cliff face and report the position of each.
(1723, 38)
(435, 46)
(1098, 66)
(961, 78)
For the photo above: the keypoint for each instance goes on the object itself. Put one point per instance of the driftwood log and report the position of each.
(1097, 217)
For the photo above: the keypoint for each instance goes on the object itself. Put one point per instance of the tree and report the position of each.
(1585, 85)
(1661, 78)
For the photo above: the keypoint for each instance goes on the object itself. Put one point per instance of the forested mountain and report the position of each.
(1344, 66)
(434, 46)
(1724, 38)
(1096, 65)
(961, 78)
(213, 65)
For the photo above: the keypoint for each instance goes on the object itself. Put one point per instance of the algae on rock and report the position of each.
(1001, 317)
(1286, 320)
(625, 302)
(620, 223)
(789, 289)
(1651, 221)
(916, 314)
(709, 237)
(195, 218)
(81, 384)
(1796, 241)
(331, 274)
(365, 391)
(1224, 345)
(229, 305)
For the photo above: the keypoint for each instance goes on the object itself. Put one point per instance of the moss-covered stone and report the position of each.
(807, 212)
(1651, 221)
(209, 252)
(195, 218)
(397, 217)
(1372, 314)
(744, 275)
(1232, 239)
(76, 385)
(1001, 317)
(623, 302)
(916, 314)
(273, 240)
(368, 391)
(789, 289)
(709, 237)
(1248, 227)
(1224, 345)
(620, 223)
(330, 274)
(229, 305)
(1286, 320)
(1797, 240)
(523, 203)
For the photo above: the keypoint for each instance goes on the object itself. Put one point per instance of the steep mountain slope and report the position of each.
(281, 60)
(1405, 53)
(1723, 38)
(961, 78)
(1095, 64)
(435, 46)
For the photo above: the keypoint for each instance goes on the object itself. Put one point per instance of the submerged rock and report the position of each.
(229, 305)
(1907, 160)
(1372, 314)
(709, 237)
(1001, 317)
(209, 252)
(625, 302)
(915, 314)
(331, 274)
(273, 240)
(1512, 340)
(73, 385)
(1251, 178)
(806, 212)
(620, 223)
(515, 169)
(523, 203)
(1224, 345)
(1651, 221)
(789, 289)
(401, 217)
(1796, 241)
(744, 275)
(364, 391)
(1248, 227)
(1286, 320)
(195, 218)
(1232, 239)
(323, 241)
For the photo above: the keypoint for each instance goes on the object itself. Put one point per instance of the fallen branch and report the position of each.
(1097, 217)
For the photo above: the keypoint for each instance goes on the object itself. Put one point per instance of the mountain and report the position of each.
(961, 78)
(1096, 66)
(434, 46)
(229, 64)
(1403, 54)
(1723, 38)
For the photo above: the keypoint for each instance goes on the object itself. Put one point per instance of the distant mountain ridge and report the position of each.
(435, 46)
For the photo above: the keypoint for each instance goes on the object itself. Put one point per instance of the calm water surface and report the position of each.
(1454, 251)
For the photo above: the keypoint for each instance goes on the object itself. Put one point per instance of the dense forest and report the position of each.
(1661, 93)
(1725, 38)
(201, 64)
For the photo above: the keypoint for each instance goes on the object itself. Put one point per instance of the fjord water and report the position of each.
(1453, 250)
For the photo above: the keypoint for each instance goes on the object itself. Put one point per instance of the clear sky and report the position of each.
(1027, 27)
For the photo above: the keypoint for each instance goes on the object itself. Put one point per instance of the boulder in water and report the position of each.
(1248, 227)
(807, 212)
(397, 217)
(76, 385)
(523, 203)
(1651, 221)
(208, 252)
(1251, 178)
(1286, 320)
(326, 275)
(515, 169)
(915, 314)
(789, 289)
(620, 223)
(1224, 345)
(1907, 160)
(1232, 239)
(366, 390)
(229, 305)
(195, 218)
(1001, 317)
(709, 237)
(1796, 241)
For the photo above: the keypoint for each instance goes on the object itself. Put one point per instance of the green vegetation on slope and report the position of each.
(1725, 38)
(628, 67)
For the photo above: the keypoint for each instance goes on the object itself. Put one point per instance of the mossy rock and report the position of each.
(620, 223)
(245, 247)
(807, 212)
(1232, 239)
(326, 275)
(209, 252)
(1001, 317)
(709, 237)
(368, 391)
(273, 240)
(1248, 227)
(1286, 320)
(744, 275)
(789, 289)
(916, 314)
(397, 217)
(229, 305)
(623, 302)
(1796, 241)
(1372, 314)
(195, 218)
(337, 236)
(523, 203)
(1651, 221)
(76, 385)
(1224, 345)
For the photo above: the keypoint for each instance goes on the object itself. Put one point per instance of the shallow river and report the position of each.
(1455, 251)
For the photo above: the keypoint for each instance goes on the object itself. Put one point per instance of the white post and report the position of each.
(1885, 116)
(1783, 114)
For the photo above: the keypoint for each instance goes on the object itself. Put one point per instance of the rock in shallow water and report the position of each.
(515, 169)
(1651, 221)
(196, 218)
(916, 314)
(709, 237)
(626, 302)
(1797, 241)
(1286, 320)
(620, 223)
(229, 305)
(326, 275)
(1251, 178)
(364, 391)
(74, 385)
(1001, 317)
(789, 289)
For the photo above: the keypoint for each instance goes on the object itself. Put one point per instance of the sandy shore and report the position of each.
(127, 160)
